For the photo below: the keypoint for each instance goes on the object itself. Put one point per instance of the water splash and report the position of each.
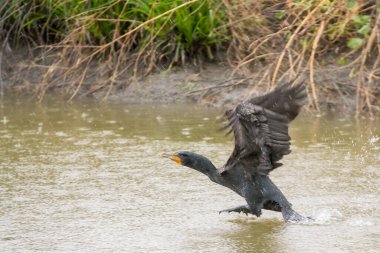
(359, 222)
(326, 216)
(374, 139)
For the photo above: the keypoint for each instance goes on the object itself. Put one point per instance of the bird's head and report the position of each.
(191, 160)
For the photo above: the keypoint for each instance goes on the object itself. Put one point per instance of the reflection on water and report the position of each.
(256, 235)
(86, 177)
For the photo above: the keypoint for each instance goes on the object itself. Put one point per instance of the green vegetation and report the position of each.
(198, 25)
(279, 38)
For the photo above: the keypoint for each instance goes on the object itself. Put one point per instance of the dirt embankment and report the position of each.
(210, 84)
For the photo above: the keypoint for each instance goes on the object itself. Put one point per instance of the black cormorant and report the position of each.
(260, 129)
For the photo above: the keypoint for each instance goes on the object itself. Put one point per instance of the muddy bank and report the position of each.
(23, 71)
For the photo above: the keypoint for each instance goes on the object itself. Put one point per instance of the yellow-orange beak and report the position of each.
(173, 157)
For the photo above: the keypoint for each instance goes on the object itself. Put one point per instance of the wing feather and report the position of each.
(260, 128)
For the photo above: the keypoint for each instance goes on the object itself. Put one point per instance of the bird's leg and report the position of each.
(239, 209)
(272, 206)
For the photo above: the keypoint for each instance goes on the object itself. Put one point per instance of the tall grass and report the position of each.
(199, 25)
(278, 39)
(296, 36)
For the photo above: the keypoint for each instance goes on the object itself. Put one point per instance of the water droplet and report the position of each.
(60, 134)
(374, 139)
(186, 131)
(4, 120)
(84, 115)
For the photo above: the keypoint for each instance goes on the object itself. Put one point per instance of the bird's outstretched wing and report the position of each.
(260, 128)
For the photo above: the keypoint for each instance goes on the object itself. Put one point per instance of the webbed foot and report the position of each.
(239, 209)
(290, 215)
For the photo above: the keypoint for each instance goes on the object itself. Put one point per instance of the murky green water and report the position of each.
(85, 177)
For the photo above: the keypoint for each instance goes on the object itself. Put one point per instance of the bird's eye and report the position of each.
(184, 155)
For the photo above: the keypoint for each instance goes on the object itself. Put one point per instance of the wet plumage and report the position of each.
(260, 129)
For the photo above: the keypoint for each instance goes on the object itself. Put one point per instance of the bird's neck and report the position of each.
(205, 166)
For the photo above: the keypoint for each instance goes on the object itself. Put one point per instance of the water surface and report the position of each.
(85, 177)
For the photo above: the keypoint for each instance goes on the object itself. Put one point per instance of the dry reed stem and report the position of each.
(313, 50)
(114, 74)
(80, 81)
(147, 44)
(289, 43)
(361, 79)
(247, 59)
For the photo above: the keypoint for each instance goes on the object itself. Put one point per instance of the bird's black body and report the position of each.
(260, 128)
